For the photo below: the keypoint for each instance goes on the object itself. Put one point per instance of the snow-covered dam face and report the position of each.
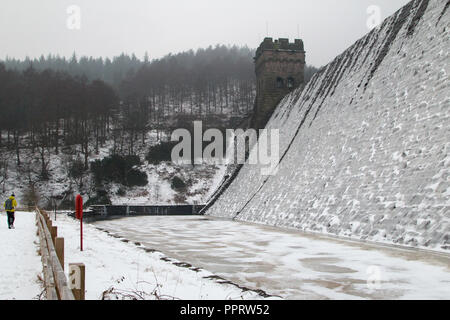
(364, 147)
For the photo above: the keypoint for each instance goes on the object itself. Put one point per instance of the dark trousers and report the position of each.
(10, 218)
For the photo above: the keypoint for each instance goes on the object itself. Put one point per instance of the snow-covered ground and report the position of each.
(291, 264)
(130, 270)
(20, 264)
(203, 180)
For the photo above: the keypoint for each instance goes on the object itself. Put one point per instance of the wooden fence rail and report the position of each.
(52, 256)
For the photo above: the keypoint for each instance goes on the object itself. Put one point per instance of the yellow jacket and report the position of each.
(14, 204)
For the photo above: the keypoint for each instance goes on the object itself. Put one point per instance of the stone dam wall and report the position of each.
(364, 147)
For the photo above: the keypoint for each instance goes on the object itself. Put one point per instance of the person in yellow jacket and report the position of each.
(10, 206)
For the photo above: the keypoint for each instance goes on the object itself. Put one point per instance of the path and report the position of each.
(20, 263)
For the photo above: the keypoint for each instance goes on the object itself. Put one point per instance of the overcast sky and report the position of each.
(110, 27)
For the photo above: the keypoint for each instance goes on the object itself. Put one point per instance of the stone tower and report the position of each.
(279, 67)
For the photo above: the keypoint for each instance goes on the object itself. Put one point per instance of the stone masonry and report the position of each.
(365, 145)
(279, 67)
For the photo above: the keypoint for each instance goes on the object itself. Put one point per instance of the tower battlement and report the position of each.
(281, 44)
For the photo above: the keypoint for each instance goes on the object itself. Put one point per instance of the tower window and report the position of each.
(280, 82)
(290, 82)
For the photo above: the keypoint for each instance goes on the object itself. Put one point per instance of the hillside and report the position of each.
(365, 146)
(27, 183)
(58, 119)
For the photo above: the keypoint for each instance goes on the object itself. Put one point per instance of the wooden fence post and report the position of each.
(52, 257)
(59, 247)
(54, 233)
(77, 278)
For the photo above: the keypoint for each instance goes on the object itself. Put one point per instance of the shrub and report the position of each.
(31, 196)
(76, 169)
(121, 192)
(160, 152)
(100, 198)
(136, 178)
(178, 184)
(119, 169)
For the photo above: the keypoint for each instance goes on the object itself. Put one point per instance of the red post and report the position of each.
(79, 215)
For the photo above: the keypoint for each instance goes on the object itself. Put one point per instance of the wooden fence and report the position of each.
(52, 255)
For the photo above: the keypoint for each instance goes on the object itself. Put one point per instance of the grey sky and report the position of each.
(108, 28)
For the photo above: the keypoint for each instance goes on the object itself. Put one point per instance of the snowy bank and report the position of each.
(128, 271)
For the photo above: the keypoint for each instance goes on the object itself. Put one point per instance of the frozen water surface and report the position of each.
(291, 264)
